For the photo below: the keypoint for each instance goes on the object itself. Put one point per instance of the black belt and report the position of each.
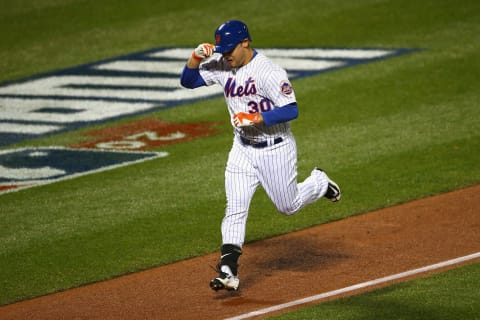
(259, 145)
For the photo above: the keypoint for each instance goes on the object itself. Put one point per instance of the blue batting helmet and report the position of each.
(229, 34)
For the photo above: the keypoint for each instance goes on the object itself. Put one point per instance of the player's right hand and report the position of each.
(203, 51)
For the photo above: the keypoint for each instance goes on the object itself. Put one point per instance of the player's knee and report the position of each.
(288, 210)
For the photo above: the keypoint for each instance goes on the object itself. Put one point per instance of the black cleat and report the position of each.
(333, 190)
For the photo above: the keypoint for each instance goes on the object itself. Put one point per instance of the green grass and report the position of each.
(443, 296)
(388, 132)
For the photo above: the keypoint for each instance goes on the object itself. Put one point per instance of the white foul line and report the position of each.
(356, 287)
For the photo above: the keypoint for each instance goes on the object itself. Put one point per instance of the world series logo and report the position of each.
(134, 84)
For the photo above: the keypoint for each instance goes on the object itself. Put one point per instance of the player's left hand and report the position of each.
(243, 119)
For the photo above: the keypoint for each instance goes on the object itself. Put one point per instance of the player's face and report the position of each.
(240, 56)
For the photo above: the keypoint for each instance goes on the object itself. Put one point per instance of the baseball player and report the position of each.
(261, 103)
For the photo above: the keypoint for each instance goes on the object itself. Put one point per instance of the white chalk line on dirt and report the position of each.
(356, 287)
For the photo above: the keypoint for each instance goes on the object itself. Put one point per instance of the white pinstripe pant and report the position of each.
(275, 168)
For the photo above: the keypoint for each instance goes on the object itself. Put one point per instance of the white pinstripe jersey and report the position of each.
(258, 86)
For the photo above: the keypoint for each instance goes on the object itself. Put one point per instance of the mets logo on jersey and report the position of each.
(286, 87)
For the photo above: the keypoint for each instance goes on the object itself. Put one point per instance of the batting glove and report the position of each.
(203, 51)
(243, 119)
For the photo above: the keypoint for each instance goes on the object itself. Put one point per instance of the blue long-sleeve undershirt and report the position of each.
(280, 115)
(191, 78)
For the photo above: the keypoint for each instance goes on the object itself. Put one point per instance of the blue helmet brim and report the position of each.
(225, 48)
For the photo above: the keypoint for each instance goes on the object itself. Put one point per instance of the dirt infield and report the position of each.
(281, 269)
